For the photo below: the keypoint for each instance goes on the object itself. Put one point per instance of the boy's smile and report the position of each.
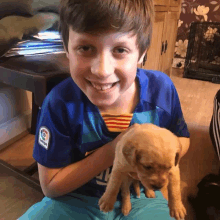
(104, 67)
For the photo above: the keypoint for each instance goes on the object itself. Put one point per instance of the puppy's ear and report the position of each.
(129, 153)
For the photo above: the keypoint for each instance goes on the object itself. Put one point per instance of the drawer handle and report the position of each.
(162, 48)
(165, 48)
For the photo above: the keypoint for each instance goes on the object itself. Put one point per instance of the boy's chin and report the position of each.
(104, 102)
(103, 105)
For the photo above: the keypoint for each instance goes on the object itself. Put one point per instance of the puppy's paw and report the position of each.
(177, 211)
(106, 203)
(137, 190)
(149, 193)
(126, 208)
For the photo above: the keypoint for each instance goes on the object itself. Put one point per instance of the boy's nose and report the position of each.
(102, 66)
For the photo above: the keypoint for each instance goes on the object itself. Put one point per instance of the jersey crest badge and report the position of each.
(44, 137)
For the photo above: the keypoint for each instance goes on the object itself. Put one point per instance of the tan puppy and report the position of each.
(151, 154)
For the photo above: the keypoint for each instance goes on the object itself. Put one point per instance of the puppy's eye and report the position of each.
(148, 167)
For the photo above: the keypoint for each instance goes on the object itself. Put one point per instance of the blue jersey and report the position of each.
(69, 125)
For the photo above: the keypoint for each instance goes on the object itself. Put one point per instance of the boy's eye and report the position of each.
(120, 50)
(84, 49)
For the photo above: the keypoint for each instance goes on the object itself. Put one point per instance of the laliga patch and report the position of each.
(44, 137)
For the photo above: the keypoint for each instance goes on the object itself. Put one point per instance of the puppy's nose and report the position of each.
(156, 187)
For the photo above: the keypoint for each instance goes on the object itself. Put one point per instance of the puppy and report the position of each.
(150, 154)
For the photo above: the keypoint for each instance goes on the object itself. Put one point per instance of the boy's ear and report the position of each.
(142, 57)
(67, 54)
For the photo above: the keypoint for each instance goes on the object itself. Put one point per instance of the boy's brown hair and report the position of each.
(98, 16)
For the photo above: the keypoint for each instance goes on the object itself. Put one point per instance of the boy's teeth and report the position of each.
(102, 87)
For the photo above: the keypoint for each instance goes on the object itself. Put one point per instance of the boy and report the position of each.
(81, 119)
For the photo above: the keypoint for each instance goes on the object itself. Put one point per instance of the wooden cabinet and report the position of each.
(162, 2)
(154, 53)
(169, 41)
(175, 3)
(161, 52)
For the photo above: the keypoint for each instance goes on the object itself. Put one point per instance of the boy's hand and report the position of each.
(114, 142)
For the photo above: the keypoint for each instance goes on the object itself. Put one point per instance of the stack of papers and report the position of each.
(46, 42)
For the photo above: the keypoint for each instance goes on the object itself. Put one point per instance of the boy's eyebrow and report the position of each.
(120, 40)
(82, 41)
(90, 41)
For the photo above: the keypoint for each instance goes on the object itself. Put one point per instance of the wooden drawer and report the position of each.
(175, 3)
(161, 2)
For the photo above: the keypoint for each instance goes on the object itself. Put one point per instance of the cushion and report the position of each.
(13, 28)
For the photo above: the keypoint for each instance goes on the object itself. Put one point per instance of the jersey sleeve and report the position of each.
(178, 125)
(54, 146)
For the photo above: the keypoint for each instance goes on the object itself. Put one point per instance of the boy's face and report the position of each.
(104, 66)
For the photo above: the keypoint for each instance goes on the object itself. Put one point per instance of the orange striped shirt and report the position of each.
(117, 123)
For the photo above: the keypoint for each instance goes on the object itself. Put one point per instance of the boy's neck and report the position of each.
(126, 104)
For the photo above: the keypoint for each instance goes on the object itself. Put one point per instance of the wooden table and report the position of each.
(38, 74)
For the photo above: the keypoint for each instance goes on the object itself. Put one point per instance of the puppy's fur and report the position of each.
(151, 154)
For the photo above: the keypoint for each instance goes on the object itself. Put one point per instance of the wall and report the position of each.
(15, 113)
(16, 101)
(193, 10)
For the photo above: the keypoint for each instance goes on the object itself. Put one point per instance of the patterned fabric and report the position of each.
(117, 123)
(193, 10)
(74, 126)
(214, 128)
